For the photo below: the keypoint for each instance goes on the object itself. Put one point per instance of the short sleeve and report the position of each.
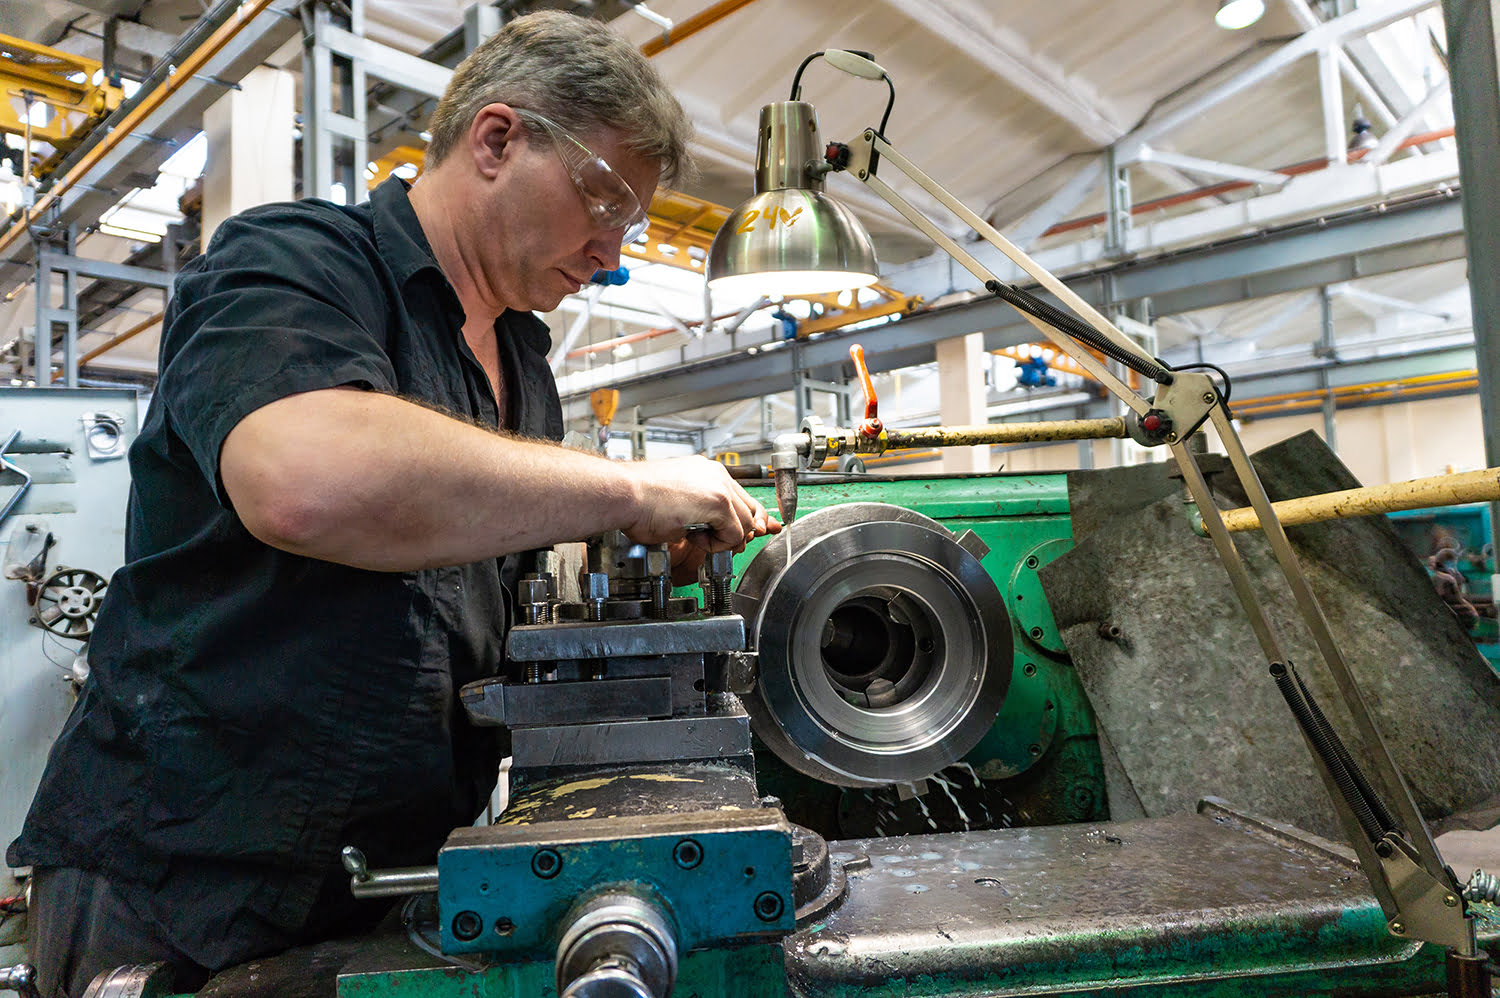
(288, 299)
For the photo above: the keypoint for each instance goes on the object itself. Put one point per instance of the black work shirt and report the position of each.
(252, 711)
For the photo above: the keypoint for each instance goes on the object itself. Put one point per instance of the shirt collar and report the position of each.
(398, 233)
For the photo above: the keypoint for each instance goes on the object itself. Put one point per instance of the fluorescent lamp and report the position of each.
(1237, 14)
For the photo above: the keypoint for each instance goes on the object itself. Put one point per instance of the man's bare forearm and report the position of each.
(376, 482)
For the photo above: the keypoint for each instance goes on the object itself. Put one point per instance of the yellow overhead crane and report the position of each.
(33, 76)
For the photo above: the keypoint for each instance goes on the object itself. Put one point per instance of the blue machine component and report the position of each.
(722, 878)
(788, 323)
(1034, 374)
(611, 278)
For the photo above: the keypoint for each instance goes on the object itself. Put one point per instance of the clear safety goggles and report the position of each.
(610, 201)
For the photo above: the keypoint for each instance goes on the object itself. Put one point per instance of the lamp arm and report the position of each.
(1418, 894)
(881, 151)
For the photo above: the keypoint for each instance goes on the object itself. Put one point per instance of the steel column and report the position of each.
(1326, 350)
(333, 107)
(1475, 80)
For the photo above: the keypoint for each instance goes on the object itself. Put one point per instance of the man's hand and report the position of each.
(686, 490)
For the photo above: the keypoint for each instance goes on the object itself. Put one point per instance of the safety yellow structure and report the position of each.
(52, 97)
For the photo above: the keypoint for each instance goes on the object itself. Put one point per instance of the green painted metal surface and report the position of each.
(711, 901)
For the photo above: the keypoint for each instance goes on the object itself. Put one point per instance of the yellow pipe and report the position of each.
(121, 130)
(692, 25)
(1442, 490)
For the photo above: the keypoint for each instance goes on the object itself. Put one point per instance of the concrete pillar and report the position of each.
(1400, 443)
(249, 134)
(961, 399)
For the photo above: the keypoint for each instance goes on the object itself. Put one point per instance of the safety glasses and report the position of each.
(609, 200)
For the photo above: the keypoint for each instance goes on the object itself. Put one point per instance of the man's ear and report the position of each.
(492, 136)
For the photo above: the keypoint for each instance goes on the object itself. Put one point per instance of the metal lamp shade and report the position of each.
(790, 242)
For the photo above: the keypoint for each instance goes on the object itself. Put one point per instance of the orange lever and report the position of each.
(870, 426)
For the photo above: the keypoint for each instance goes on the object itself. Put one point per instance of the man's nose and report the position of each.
(604, 249)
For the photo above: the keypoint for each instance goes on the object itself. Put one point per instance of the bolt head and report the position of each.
(596, 585)
(720, 563)
(1209, 398)
(1450, 900)
(1398, 929)
(533, 590)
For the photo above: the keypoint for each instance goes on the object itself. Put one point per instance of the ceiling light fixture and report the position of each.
(1237, 14)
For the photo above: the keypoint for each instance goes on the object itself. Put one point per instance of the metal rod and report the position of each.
(1419, 493)
(1312, 615)
(1063, 342)
(999, 433)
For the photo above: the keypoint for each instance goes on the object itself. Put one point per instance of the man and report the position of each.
(321, 513)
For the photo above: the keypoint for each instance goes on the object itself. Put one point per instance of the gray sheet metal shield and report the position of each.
(873, 590)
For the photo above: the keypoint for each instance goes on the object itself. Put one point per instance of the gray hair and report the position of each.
(577, 72)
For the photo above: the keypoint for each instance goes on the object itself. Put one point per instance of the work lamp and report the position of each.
(791, 238)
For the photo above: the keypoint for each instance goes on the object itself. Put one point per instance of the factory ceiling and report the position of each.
(1012, 107)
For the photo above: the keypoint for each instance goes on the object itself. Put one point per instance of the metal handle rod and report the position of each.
(1440, 490)
(1312, 615)
(1063, 342)
(1239, 579)
(1003, 433)
(1016, 255)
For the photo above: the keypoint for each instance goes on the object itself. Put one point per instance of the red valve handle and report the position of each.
(871, 425)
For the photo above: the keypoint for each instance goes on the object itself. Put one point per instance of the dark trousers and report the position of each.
(80, 927)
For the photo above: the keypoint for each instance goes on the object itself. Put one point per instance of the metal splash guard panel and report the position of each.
(1214, 903)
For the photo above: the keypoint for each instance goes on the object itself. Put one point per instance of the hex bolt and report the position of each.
(718, 571)
(661, 593)
(547, 565)
(546, 863)
(688, 854)
(769, 906)
(467, 925)
(534, 599)
(595, 593)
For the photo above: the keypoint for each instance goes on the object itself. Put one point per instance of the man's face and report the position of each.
(550, 244)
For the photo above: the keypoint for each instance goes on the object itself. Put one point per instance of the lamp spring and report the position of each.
(1483, 887)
